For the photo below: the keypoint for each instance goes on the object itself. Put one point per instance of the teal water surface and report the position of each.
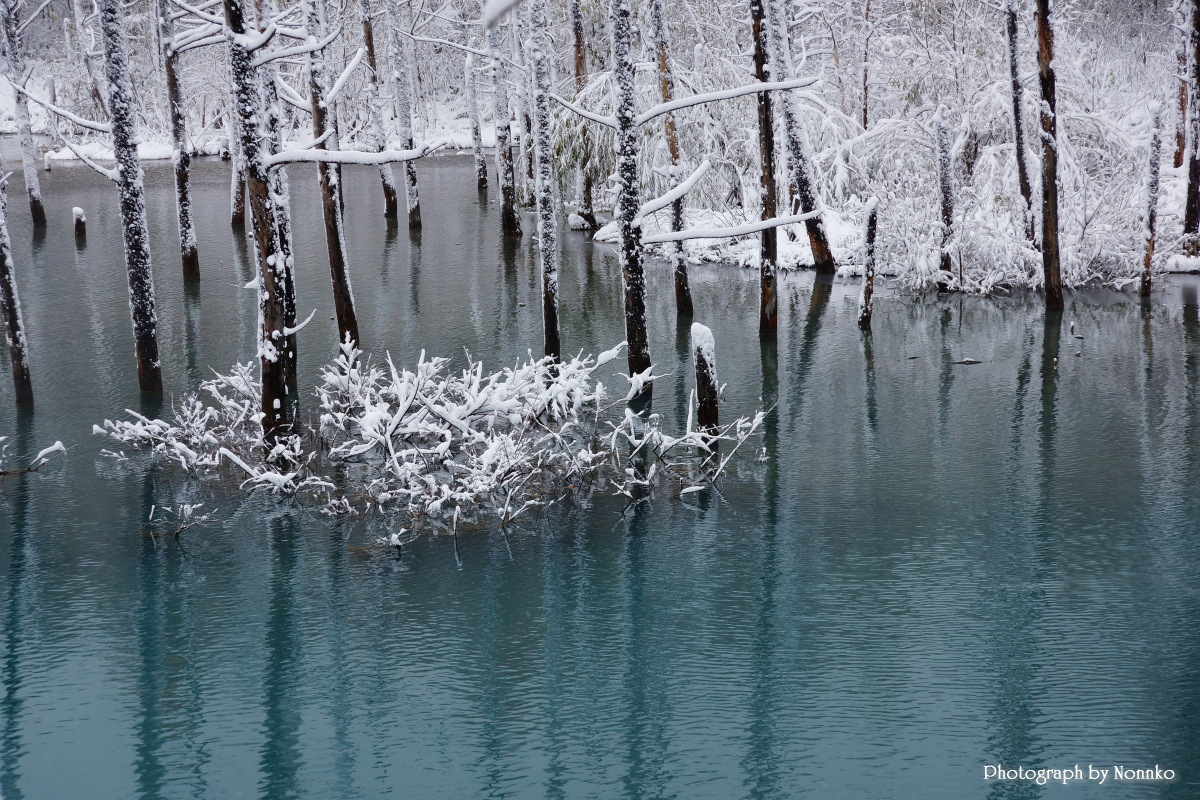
(940, 566)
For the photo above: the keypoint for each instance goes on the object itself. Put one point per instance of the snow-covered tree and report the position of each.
(18, 76)
(10, 309)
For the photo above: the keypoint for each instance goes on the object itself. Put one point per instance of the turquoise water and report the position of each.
(941, 566)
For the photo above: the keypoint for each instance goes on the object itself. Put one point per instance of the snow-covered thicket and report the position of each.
(429, 443)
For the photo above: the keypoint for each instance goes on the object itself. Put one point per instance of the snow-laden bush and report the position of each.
(431, 443)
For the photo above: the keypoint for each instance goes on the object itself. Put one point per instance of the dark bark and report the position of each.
(1181, 68)
(587, 189)
(17, 73)
(768, 317)
(707, 400)
(1049, 119)
(269, 256)
(402, 98)
(510, 218)
(629, 194)
(329, 177)
(547, 218)
(10, 307)
(378, 138)
(866, 302)
(1017, 93)
(946, 192)
(666, 85)
(181, 157)
(1152, 183)
(1191, 216)
(129, 189)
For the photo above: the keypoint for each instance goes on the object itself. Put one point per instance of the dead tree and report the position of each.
(946, 195)
(587, 179)
(666, 84)
(402, 100)
(510, 219)
(1017, 93)
(328, 175)
(1191, 214)
(547, 220)
(128, 175)
(1180, 18)
(181, 157)
(628, 201)
(802, 186)
(10, 306)
(18, 77)
(768, 250)
(481, 176)
(866, 302)
(704, 355)
(1152, 184)
(237, 175)
(377, 135)
(866, 65)
(1049, 118)
(248, 104)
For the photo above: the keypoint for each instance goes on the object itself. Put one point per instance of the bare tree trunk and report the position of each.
(180, 155)
(547, 218)
(378, 138)
(866, 302)
(16, 73)
(628, 195)
(866, 67)
(237, 175)
(10, 306)
(1180, 15)
(1191, 216)
(588, 180)
(510, 219)
(768, 317)
(1018, 92)
(86, 57)
(1152, 184)
(666, 84)
(704, 355)
(269, 256)
(402, 98)
(803, 187)
(1049, 118)
(481, 176)
(946, 192)
(132, 200)
(335, 238)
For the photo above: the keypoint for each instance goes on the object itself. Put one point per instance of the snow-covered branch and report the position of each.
(726, 233)
(340, 83)
(350, 156)
(299, 50)
(99, 127)
(659, 203)
(610, 121)
(728, 94)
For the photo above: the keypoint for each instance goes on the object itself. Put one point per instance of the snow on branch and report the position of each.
(99, 127)
(192, 38)
(199, 11)
(679, 191)
(726, 233)
(111, 174)
(350, 156)
(727, 94)
(493, 10)
(216, 38)
(299, 50)
(250, 43)
(33, 16)
(610, 121)
(291, 96)
(340, 83)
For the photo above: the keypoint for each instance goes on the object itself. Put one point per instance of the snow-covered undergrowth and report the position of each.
(430, 443)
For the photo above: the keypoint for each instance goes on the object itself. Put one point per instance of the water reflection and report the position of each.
(280, 758)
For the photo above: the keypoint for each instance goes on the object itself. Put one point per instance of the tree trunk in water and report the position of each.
(237, 176)
(1152, 183)
(10, 306)
(768, 317)
(378, 138)
(402, 98)
(800, 160)
(666, 85)
(133, 204)
(946, 192)
(547, 218)
(335, 238)
(1191, 216)
(481, 176)
(866, 303)
(588, 180)
(1049, 118)
(181, 158)
(704, 355)
(1181, 65)
(510, 219)
(629, 194)
(16, 73)
(271, 270)
(1018, 91)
